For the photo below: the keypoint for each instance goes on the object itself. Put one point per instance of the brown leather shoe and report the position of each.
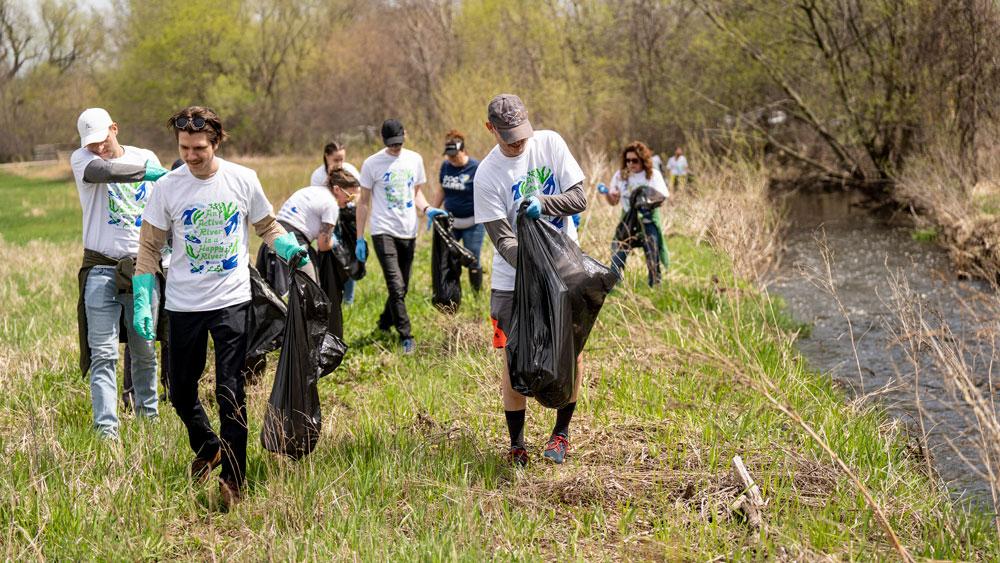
(201, 468)
(231, 493)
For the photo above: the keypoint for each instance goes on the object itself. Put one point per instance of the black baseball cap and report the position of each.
(392, 132)
(452, 147)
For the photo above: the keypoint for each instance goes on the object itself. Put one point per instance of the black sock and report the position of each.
(515, 426)
(563, 416)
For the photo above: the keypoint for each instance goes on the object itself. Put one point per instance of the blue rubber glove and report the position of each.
(602, 188)
(534, 209)
(361, 250)
(142, 305)
(153, 172)
(287, 246)
(431, 213)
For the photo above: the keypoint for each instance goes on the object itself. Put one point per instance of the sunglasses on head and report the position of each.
(194, 123)
(632, 161)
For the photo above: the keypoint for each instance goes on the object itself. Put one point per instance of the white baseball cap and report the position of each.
(93, 125)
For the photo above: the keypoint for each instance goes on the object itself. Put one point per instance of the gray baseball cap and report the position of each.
(510, 118)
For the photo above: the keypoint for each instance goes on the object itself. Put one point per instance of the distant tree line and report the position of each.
(842, 90)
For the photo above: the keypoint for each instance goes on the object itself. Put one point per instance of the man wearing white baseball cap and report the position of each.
(114, 182)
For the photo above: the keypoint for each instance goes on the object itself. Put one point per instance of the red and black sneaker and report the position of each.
(517, 456)
(556, 449)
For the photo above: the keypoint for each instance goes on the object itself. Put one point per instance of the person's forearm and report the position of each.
(503, 239)
(151, 240)
(420, 201)
(100, 171)
(570, 202)
(362, 216)
(324, 241)
(268, 229)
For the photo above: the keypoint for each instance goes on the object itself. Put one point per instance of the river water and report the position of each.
(869, 255)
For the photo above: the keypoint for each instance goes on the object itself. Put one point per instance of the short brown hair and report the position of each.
(342, 178)
(213, 125)
(454, 134)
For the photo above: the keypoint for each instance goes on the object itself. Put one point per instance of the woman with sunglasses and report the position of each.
(630, 182)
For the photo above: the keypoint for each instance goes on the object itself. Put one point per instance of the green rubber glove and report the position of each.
(142, 308)
(287, 246)
(153, 172)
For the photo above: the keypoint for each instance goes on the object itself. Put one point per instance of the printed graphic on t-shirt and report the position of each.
(537, 181)
(456, 183)
(399, 188)
(212, 237)
(125, 204)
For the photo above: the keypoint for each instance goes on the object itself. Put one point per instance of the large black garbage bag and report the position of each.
(309, 351)
(266, 319)
(630, 231)
(332, 281)
(558, 292)
(349, 267)
(447, 258)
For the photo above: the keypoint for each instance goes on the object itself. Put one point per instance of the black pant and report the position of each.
(188, 347)
(395, 255)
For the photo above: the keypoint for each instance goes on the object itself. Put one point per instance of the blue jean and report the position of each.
(104, 308)
(472, 239)
(349, 291)
(620, 250)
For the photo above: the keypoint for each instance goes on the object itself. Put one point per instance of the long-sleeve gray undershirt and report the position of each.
(100, 171)
(570, 202)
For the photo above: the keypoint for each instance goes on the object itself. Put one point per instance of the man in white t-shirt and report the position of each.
(533, 166)
(678, 167)
(207, 205)
(391, 182)
(334, 157)
(114, 182)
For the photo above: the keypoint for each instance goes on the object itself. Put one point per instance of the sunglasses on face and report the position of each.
(194, 123)
(631, 161)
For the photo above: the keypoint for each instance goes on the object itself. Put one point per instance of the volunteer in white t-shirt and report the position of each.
(635, 175)
(334, 157)
(678, 167)
(114, 182)
(207, 205)
(538, 167)
(391, 182)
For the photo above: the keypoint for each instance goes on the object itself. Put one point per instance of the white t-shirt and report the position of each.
(209, 220)
(657, 162)
(393, 181)
(307, 209)
(635, 181)
(678, 166)
(545, 167)
(320, 175)
(112, 213)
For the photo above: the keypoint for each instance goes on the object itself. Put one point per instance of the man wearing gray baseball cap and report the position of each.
(537, 167)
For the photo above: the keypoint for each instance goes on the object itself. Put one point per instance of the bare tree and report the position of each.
(16, 39)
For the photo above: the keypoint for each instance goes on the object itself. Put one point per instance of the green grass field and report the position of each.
(410, 465)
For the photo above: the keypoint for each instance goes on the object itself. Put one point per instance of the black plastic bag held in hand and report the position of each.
(309, 351)
(558, 292)
(447, 259)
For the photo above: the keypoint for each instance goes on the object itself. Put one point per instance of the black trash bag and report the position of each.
(447, 258)
(630, 231)
(558, 292)
(349, 267)
(309, 351)
(266, 322)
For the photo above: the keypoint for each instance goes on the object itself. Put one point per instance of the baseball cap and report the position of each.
(392, 132)
(93, 125)
(452, 147)
(510, 118)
